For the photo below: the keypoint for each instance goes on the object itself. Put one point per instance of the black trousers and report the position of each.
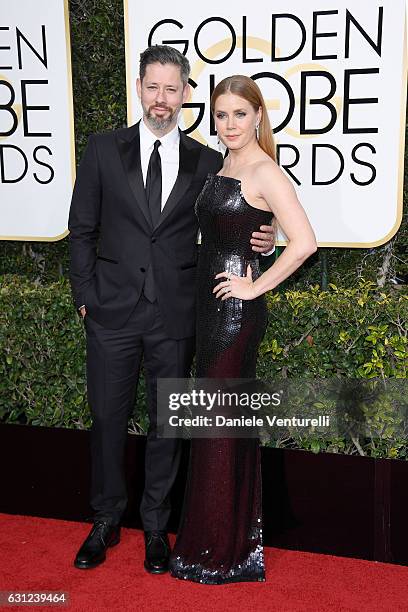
(113, 363)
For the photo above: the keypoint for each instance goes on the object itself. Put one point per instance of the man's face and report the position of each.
(162, 94)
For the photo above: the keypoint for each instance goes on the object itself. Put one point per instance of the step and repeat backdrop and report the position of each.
(335, 85)
(334, 81)
(37, 158)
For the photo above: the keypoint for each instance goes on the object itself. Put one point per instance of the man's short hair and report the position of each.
(164, 55)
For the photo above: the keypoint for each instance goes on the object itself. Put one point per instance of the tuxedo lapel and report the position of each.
(189, 154)
(129, 149)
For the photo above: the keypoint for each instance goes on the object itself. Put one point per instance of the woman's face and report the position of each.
(235, 120)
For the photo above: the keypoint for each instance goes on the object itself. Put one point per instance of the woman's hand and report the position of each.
(240, 287)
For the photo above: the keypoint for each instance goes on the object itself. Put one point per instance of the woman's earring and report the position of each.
(257, 131)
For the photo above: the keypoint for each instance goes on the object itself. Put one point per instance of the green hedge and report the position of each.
(351, 333)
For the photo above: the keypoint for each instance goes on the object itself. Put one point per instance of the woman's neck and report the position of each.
(242, 157)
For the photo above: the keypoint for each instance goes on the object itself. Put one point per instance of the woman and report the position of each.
(220, 535)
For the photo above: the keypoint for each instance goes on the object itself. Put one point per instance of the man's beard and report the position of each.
(160, 123)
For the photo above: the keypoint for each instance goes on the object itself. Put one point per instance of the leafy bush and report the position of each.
(358, 333)
(350, 333)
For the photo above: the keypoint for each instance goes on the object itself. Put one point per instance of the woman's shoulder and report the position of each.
(265, 169)
(262, 165)
(265, 165)
(270, 177)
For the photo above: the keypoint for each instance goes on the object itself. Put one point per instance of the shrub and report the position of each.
(355, 333)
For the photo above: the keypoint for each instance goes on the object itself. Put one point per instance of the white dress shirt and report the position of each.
(169, 156)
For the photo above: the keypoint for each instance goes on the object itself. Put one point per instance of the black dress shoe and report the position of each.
(93, 550)
(157, 552)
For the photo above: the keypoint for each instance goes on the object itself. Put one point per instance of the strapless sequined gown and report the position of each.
(220, 534)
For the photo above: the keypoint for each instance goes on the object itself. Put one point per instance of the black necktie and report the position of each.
(154, 184)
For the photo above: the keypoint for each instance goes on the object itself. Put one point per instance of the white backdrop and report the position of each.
(37, 159)
(349, 177)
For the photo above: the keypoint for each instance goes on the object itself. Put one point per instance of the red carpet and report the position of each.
(36, 554)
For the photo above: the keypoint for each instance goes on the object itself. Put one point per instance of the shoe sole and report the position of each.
(154, 571)
(92, 565)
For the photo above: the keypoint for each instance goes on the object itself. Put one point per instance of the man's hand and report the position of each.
(264, 240)
(83, 312)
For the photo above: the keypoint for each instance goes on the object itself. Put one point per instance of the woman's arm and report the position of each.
(275, 188)
(278, 192)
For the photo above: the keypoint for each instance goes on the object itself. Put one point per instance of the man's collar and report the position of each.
(147, 138)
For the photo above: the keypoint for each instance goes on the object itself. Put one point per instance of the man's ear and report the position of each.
(186, 92)
(139, 87)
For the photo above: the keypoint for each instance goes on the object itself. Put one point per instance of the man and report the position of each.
(133, 234)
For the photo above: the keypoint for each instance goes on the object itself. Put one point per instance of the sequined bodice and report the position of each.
(227, 222)
(226, 219)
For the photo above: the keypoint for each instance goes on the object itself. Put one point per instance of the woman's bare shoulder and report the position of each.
(267, 172)
(266, 166)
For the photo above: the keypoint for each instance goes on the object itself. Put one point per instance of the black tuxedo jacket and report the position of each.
(112, 240)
